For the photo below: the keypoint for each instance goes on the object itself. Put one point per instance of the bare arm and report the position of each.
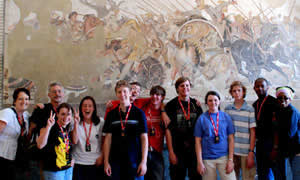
(106, 151)
(76, 124)
(32, 126)
(198, 147)
(44, 132)
(142, 169)
(250, 158)
(2, 125)
(172, 155)
(230, 165)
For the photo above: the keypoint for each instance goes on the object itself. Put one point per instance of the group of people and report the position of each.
(76, 144)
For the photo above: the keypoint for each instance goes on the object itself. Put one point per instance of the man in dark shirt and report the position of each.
(183, 112)
(126, 142)
(39, 120)
(266, 106)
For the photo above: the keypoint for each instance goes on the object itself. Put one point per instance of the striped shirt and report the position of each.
(243, 119)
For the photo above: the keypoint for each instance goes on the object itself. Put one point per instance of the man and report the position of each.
(135, 89)
(243, 119)
(126, 142)
(155, 162)
(183, 112)
(39, 120)
(265, 108)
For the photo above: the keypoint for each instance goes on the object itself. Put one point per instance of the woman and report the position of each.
(214, 141)
(87, 152)
(289, 132)
(13, 125)
(55, 141)
(243, 119)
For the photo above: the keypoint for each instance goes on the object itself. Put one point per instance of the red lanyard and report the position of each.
(149, 117)
(86, 135)
(216, 130)
(66, 138)
(126, 118)
(187, 116)
(259, 111)
(21, 121)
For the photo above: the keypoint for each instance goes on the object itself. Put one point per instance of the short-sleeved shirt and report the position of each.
(10, 134)
(289, 133)
(127, 147)
(57, 156)
(182, 130)
(140, 102)
(243, 120)
(80, 155)
(154, 123)
(40, 117)
(205, 130)
(266, 123)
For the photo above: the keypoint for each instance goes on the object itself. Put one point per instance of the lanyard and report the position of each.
(216, 130)
(187, 116)
(126, 118)
(259, 111)
(66, 138)
(86, 135)
(21, 121)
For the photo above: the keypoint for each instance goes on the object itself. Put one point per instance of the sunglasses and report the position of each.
(283, 98)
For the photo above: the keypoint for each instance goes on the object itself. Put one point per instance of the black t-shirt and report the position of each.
(127, 147)
(40, 117)
(57, 154)
(267, 124)
(182, 130)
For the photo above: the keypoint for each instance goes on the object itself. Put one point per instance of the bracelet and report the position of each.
(230, 159)
(162, 110)
(251, 150)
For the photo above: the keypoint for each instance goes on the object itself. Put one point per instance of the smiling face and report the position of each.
(123, 94)
(237, 93)
(213, 103)
(87, 109)
(283, 99)
(156, 99)
(135, 92)
(261, 88)
(56, 94)
(64, 116)
(184, 88)
(21, 102)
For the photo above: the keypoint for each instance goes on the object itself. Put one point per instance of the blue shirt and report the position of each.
(205, 130)
(243, 120)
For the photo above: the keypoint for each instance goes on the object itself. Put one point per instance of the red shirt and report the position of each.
(138, 103)
(154, 121)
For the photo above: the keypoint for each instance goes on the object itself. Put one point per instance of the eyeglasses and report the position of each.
(283, 98)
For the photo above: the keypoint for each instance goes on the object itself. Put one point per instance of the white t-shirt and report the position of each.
(10, 134)
(79, 152)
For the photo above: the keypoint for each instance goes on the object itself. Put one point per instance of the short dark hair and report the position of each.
(262, 79)
(240, 84)
(95, 118)
(135, 83)
(17, 92)
(181, 80)
(214, 93)
(158, 90)
(65, 105)
(121, 83)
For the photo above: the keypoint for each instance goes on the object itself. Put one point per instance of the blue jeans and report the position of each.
(295, 164)
(59, 175)
(155, 166)
(124, 171)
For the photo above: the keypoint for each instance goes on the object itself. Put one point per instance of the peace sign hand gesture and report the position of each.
(51, 120)
(76, 116)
